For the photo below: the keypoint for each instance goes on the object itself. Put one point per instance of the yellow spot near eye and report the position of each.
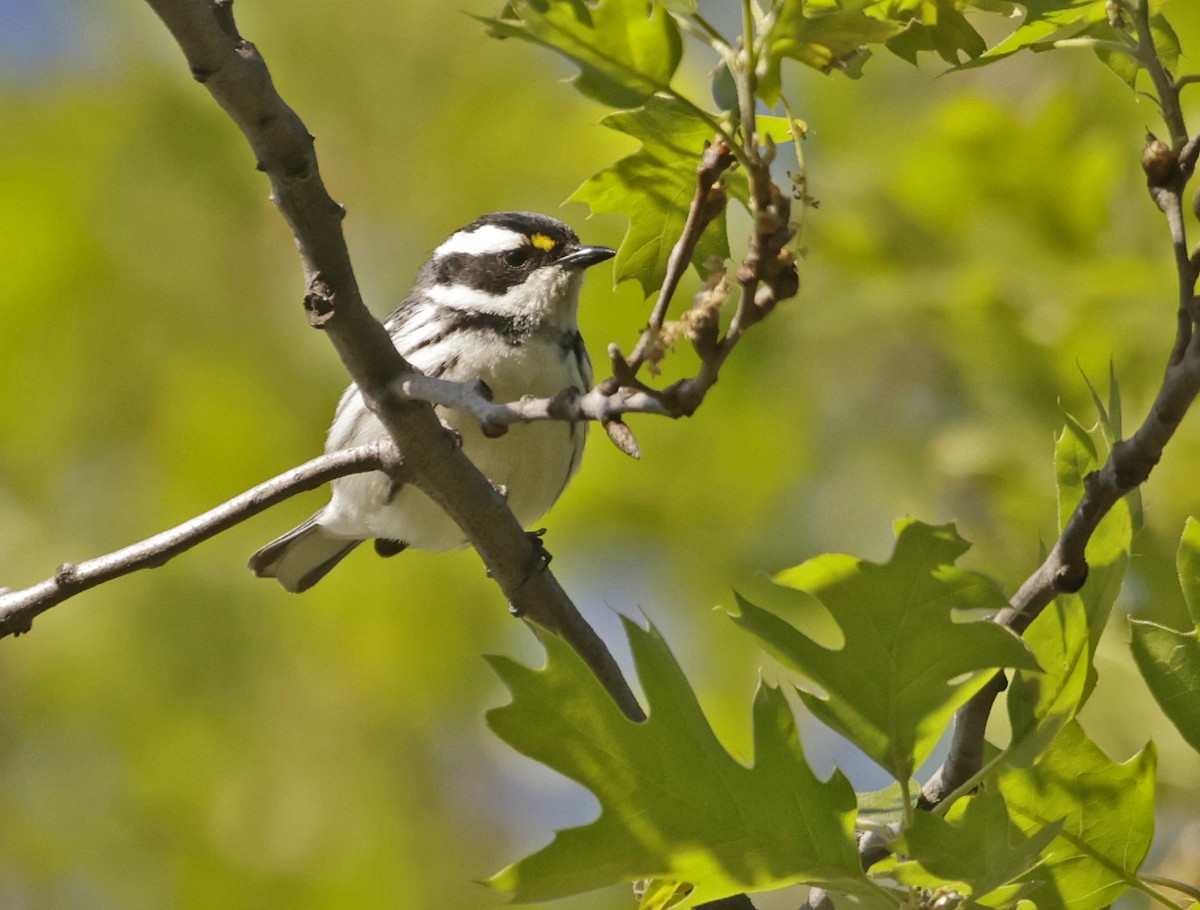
(543, 242)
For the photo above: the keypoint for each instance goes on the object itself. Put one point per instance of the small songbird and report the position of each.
(496, 302)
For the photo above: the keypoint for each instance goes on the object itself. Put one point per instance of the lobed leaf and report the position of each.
(823, 36)
(675, 806)
(1064, 637)
(1107, 814)
(654, 188)
(625, 49)
(1047, 22)
(906, 666)
(1107, 551)
(976, 850)
(933, 25)
(1041, 704)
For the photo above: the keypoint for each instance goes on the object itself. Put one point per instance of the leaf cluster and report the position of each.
(1049, 817)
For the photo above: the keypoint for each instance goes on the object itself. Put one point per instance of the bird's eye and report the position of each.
(519, 257)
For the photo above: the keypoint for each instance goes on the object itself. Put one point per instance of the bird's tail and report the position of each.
(302, 556)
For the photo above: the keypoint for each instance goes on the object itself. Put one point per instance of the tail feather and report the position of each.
(301, 557)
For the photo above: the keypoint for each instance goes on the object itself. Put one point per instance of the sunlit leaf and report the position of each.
(625, 50)
(824, 38)
(1107, 813)
(975, 850)
(1107, 551)
(1040, 704)
(654, 188)
(894, 684)
(1084, 23)
(1045, 21)
(675, 805)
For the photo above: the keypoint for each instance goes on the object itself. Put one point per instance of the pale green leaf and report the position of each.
(1187, 562)
(1111, 426)
(1046, 21)
(663, 895)
(1084, 23)
(1041, 704)
(1064, 636)
(899, 677)
(1107, 551)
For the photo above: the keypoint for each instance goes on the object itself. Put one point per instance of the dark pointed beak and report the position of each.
(584, 256)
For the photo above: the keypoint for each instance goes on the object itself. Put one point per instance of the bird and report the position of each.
(496, 302)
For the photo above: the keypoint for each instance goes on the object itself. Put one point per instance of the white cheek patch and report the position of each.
(488, 238)
(546, 293)
(465, 299)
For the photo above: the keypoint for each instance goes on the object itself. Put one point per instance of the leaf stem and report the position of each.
(715, 39)
(1182, 887)
(1117, 47)
(1140, 884)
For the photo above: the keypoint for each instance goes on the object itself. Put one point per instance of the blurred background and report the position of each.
(194, 737)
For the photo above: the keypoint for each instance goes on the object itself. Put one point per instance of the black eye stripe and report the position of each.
(493, 273)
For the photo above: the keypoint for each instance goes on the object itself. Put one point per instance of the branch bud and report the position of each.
(1159, 163)
(1116, 16)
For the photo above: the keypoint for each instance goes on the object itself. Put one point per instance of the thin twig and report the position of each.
(18, 608)
(707, 203)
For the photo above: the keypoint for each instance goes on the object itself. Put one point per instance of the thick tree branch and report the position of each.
(234, 73)
(18, 608)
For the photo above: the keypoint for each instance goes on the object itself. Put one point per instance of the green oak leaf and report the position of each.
(1064, 636)
(1111, 426)
(1126, 66)
(1085, 22)
(975, 850)
(654, 188)
(1041, 704)
(675, 806)
(821, 35)
(1107, 552)
(625, 50)
(897, 680)
(1169, 660)
(1107, 814)
(933, 25)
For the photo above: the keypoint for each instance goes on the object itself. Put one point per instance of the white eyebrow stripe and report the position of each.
(487, 238)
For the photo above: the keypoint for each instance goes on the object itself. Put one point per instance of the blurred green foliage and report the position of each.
(193, 737)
